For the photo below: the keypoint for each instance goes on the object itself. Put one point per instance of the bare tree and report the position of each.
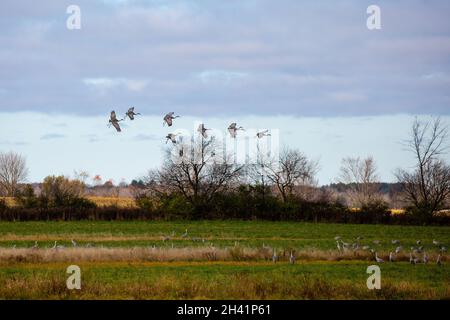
(291, 171)
(82, 176)
(427, 187)
(13, 171)
(361, 178)
(195, 173)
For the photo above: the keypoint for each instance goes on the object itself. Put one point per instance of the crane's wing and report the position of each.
(131, 115)
(116, 125)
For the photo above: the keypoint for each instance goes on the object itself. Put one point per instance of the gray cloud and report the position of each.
(304, 58)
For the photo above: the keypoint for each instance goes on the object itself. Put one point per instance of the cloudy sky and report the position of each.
(310, 69)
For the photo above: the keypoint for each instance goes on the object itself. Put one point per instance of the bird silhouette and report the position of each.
(130, 113)
(262, 134)
(377, 259)
(172, 137)
(168, 118)
(202, 130)
(233, 128)
(114, 121)
(292, 258)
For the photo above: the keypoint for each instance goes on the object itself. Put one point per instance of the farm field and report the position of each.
(215, 260)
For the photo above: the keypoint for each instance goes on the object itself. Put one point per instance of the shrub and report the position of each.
(61, 191)
(3, 205)
(146, 202)
(375, 207)
(26, 198)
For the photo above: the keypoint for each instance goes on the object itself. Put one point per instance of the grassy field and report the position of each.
(216, 260)
(218, 233)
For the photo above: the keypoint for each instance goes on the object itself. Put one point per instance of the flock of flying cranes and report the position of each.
(168, 119)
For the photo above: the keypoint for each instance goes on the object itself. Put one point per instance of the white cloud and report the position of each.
(348, 97)
(220, 76)
(104, 84)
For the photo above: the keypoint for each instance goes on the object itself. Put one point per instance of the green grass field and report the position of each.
(220, 233)
(130, 260)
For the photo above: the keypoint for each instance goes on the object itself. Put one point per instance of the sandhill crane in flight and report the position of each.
(168, 119)
(130, 113)
(114, 121)
(262, 134)
(172, 137)
(202, 130)
(395, 241)
(233, 128)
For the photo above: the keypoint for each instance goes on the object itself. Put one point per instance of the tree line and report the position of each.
(190, 183)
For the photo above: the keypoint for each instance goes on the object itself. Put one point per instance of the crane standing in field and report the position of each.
(274, 256)
(378, 259)
(292, 258)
